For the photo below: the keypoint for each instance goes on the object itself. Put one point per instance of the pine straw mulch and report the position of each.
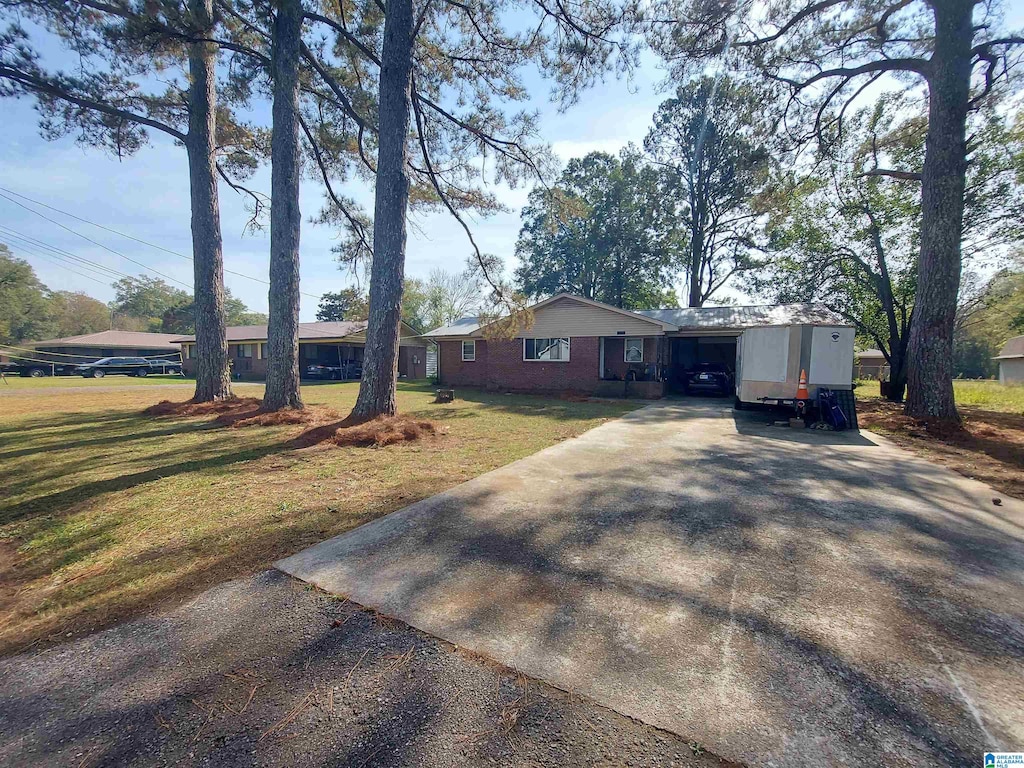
(989, 448)
(324, 426)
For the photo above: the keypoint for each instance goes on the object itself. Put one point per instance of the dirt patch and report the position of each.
(235, 405)
(311, 415)
(324, 425)
(385, 430)
(989, 448)
(246, 412)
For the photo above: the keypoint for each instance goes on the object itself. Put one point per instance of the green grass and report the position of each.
(988, 395)
(107, 513)
(48, 382)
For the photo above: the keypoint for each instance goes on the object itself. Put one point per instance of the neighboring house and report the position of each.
(1011, 361)
(334, 344)
(870, 364)
(93, 346)
(579, 345)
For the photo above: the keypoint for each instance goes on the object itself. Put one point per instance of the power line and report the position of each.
(57, 263)
(94, 242)
(32, 246)
(94, 266)
(98, 226)
(54, 260)
(69, 269)
(132, 237)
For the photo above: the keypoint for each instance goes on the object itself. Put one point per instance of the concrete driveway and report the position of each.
(782, 597)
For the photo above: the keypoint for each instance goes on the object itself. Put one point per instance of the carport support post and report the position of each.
(600, 348)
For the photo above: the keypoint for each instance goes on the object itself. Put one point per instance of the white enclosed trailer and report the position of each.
(769, 361)
(765, 347)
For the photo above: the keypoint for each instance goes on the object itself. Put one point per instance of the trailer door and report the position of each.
(831, 357)
(765, 355)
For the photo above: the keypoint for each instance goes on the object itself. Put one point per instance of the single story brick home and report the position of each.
(580, 345)
(1011, 361)
(336, 346)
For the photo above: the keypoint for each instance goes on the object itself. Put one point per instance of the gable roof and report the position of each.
(114, 339)
(472, 326)
(1012, 349)
(692, 318)
(721, 318)
(667, 325)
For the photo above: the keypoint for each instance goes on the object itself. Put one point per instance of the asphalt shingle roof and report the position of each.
(461, 327)
(701, 318)
(307, 331)
(123, 339)
(1013, 348)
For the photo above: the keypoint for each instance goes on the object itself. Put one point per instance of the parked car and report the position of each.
(129, 366)
(714, 378)
(349, 370)
(38, 370)
(165, 366)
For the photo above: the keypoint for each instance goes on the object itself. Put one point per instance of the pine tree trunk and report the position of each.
(285, 220)
(380, 364)
(696, 252)
(213, 377)
(930, 378)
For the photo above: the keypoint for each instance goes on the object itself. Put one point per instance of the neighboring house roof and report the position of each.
(870, 354)
(1012, 349)
(341, 329)
(461, 327)
(706, 318)
(115, 339)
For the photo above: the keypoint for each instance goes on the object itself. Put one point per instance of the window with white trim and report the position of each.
(634, 351)
(245, 350)
(186, 350)
(556, 350)
(468, 351)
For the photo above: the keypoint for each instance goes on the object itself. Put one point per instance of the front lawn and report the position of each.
(990, 448)
(16, 382)
(107, 513)
(990, 395)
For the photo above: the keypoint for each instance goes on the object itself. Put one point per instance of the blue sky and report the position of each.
(146, 196)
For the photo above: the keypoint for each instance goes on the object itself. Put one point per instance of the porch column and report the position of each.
(600, 349)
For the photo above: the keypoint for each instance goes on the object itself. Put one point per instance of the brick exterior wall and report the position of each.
(499, 364)
(614, 356)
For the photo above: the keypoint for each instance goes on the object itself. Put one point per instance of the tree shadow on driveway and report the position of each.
(775, 604)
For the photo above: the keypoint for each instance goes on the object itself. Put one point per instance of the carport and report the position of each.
(683, 353)
(712, 334)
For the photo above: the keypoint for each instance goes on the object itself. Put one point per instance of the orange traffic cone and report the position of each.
(801, 390)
